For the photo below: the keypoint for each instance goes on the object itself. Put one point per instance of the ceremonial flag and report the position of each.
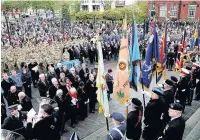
(152, 57)
(121, 84)
(163, 51)
(102, 96)
(197, 36)
(134, 57)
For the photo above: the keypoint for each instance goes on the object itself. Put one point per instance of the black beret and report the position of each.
(81, 84)
(173, 78)
(176, 106)
(110, 70)
(158, 91)
(136, 102)
(188, 67)
(169, 82)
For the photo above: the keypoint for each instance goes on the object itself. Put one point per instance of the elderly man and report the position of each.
(6, 84)
(12, 97)
(17, 80)
(43, 85)
(90, 88)
(53, 88)
(25, 102)
(175, 128)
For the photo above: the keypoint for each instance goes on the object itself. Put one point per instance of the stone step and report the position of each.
(194, 134)
(192, 123)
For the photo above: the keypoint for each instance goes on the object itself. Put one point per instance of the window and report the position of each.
(96, 8)
(85, 8)
(174, 11)
(191, 11)
(163, 11)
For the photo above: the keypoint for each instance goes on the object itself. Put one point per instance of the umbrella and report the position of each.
(74, 136)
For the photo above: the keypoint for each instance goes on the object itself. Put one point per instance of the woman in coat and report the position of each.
(109, 81)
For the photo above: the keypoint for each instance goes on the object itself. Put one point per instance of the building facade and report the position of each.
(99, 5)
(174, 9)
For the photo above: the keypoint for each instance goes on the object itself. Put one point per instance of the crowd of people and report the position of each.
(38, 47)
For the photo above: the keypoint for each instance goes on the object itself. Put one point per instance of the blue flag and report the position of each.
(152, 57)
(136, 58)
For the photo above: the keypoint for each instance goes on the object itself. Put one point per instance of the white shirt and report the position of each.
(175, 118)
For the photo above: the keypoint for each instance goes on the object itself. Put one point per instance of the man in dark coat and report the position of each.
(168, 99)
(25, 102)
(47, 127)
(175, 128)
(134, 118)
(26, 79)
(53, 88)
(183, 87)
(12, 97)
(152, 115)
(170, 60)
(193, 83)
(83, 101)
(90, 88)
(43, 86)
(84, 73)
(15, 121)
(34, 72)
(109, 82)
(6, 84)
(60, 98)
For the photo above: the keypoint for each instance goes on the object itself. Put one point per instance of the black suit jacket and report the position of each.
(52, 91)
(43, 88)
(13, 98)
(26, 104)
(134, 125)
(15, 124)
(174, 130)
(6, 86)
(45, 129)
(82, 73)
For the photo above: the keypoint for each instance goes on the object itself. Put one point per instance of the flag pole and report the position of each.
(107, 125)
(141, 66)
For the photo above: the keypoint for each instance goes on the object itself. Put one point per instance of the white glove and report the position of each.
(73, 101)
(126, 104)
(107, 115)
(88, 100)
(160, 85)
(159, 138)
(19, 107)
(147, 93)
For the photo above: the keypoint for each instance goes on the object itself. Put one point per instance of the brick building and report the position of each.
(174, 9)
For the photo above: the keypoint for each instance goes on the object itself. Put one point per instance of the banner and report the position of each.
(102, 96)
(151, 59)
(121, 85)
(134, 58)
